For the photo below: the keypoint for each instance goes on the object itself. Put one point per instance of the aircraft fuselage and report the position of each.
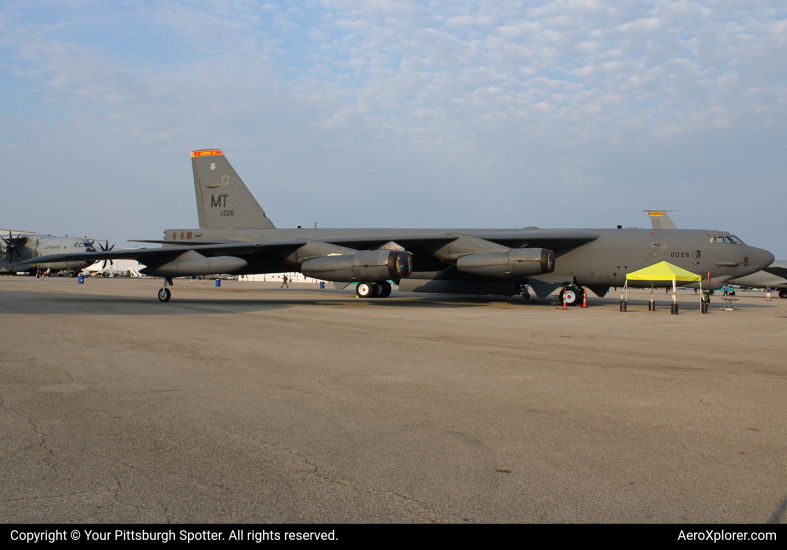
(597, 258)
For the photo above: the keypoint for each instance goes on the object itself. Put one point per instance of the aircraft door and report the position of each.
(695, 258)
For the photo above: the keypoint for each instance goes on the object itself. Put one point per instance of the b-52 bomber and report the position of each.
(20, 247)
(775, 275)
(235, 236)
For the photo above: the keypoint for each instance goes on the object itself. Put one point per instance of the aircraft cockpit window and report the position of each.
(721, 239)
(712, 240)
(735, 240)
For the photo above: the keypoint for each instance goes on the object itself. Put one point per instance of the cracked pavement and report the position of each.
(250, 404)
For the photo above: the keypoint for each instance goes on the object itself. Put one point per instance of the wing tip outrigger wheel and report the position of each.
(164, 295)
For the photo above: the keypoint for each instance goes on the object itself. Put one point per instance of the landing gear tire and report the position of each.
(365, 290)
(783, 294)
(385, 289)
(573, 296)
(164, 295)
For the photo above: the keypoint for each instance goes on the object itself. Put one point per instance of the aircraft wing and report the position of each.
(165, 252)
(554, 239)
(361, 242)
(224, 248)
(778, 268)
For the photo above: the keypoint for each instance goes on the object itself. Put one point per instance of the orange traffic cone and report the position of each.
(584, 297)
(565, 305)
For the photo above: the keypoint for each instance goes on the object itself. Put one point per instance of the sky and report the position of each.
(397, 113)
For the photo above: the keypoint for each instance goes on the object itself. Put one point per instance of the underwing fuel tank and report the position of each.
(194, 263)
(517, 262)
(368, 266)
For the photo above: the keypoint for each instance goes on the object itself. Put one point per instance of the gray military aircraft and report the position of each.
(775, 276)
(20, 247)
(235, 236)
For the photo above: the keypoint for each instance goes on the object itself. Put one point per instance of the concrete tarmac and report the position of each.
(253, 404)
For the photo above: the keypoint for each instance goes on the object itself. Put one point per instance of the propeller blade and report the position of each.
(10, 247)
(106, 248)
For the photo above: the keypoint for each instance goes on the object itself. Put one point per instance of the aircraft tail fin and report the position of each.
(223, 200)
(660, 220)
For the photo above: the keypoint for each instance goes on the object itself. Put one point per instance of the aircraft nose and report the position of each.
(760, 258)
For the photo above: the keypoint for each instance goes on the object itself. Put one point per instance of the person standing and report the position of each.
(284, 282)
(767, 293)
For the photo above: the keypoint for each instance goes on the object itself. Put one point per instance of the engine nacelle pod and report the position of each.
(517, 262)
(367, 265)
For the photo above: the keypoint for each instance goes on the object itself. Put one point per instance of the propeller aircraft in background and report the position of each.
(22, 246)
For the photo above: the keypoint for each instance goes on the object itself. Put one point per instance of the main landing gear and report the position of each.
(164, 294)
(573, 295)
(373, 290)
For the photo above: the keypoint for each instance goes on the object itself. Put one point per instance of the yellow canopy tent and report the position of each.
(662, 272)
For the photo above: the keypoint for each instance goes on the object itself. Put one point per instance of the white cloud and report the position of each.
(424, 100)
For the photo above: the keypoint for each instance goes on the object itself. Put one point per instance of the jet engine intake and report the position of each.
(517, 262)
(194, 263)
(366, 265)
